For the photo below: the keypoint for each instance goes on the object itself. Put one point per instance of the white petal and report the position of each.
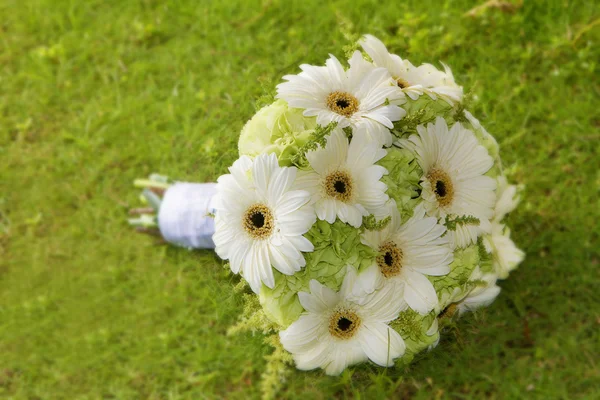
(320, 299)
(291, 201)
(262, 168)
(281, 181)
(349, 282)
(238, 255)
(301, 243)
(343, 355)
(419, 293)
(369, 280)
(381, 343)
(378, 52)
(299, 335)
(483, 298)
(326, 210)
(350, 214)
(282, 263)
(385, 304)
(257, 267)
(317, 357)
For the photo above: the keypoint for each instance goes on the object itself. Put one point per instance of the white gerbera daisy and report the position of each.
(345, 181)
(337, 330)
(506, 255)
(353, 97)
(414, 81)
(482, 295)
(260, 220)
(409, 252)
(453, 181)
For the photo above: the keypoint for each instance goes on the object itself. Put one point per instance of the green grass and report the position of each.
(96, 93)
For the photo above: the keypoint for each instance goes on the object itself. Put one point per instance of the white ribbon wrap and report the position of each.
(184, 216)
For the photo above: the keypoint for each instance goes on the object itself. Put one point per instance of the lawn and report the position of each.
(94, 94)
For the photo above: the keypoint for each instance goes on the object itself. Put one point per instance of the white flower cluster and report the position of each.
(270, 209)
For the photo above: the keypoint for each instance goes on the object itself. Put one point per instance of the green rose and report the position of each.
(276, 129)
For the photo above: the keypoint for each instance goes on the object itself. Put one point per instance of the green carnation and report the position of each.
(336, 246)
(402, 179)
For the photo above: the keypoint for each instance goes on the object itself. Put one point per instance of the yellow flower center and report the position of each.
(338, 185)
(442, 186)
(402, 84)
(342, 103)
(390, 259)
(449, 311)
(258, 221)
(343, 324)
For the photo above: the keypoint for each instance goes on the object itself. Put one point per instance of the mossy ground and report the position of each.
(96, 93)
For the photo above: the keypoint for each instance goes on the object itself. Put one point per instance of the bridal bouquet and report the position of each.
(367, 207)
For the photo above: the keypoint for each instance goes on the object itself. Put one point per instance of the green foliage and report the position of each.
(317, 138)
(485, 259)
(414, 329)
(253, 318)
(452, 221)
(370, 223)
(268, 97)
(422, 111)
(279, 366)
(97, 93)
(408, 324)
(450, 287)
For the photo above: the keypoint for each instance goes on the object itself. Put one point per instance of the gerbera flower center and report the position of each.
(390, 259)
(258, 221)
(342, 103)
(338, 185)
(449, 311)
(343, 324)
(402, 84)
(442, 186)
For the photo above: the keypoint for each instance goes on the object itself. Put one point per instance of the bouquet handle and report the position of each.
(186, 215)
(181, 212)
